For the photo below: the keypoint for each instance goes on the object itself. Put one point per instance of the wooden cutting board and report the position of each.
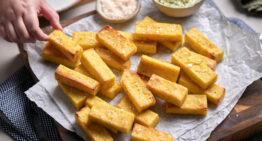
(243, 121)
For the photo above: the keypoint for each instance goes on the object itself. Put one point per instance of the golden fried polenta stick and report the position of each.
(97, 68)
(51, 54)
(136, 91)
(86, 39)
(94, 131)
(77, 97)
(215, 93)
(77, 80)
(169, 91)
(147, 118)
(110, 116)
(148, 66)
(91, 101)
(116, 42)
(142, 133)
(198, 71)
(65, 45)
(202, 45)
(172, 45)
(109, 92)
(158, 31)
(111, 59)
(147, 47)
(194, 105)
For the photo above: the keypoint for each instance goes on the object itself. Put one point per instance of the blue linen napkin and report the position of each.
(19, 117)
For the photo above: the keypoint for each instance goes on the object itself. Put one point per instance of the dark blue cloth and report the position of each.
(19, 117)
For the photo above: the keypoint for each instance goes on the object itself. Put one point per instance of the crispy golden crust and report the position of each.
(147, 118)
(76, 80)
(141, 133)
(136, 90)
(52, 51)
(201, 44)
(147, 47)
(110, 116)
(221, 97)
(167, 90)
(65, 45)
(148, 66)
(195, 58)
(215, 93)
(76, 96)
(94, 131)
(189, 84)
(97, 68)
(198, 71)
(91, 101)
(116, 42)
(158, 31)
(81, 69)
(86, 39)
(111, 92)
(194, 105)
(172, 45)
(111, 59)
(51, 54)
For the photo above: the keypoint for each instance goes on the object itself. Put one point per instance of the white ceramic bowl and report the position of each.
(178, 11)
(105, 18)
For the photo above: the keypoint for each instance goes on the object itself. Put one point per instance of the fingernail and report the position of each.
(60, 27)
(47, 38)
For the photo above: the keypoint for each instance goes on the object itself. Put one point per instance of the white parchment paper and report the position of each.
(242, 65)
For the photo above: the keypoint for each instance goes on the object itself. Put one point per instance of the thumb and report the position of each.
(50, 14)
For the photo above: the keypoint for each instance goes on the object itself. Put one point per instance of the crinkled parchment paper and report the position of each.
(242, 65)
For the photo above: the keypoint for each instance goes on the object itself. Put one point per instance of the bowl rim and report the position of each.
(102, 14)
(156, 1)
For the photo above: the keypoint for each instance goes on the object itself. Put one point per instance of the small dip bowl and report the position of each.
(178, 11)
(105, 18)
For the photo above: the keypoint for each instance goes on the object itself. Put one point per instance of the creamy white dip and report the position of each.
(118, 9)
(178, 3)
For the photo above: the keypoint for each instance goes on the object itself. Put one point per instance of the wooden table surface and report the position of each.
(243, 121)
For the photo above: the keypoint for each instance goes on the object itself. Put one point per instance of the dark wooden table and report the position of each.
(243, 121)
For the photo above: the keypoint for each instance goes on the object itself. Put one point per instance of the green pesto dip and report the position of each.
(178, 3)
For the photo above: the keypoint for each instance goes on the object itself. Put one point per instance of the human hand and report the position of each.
(19, 20)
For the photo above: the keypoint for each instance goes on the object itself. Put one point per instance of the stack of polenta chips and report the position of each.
(185, 84)
(62, 50)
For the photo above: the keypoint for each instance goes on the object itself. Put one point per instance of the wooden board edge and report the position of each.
(81, 2)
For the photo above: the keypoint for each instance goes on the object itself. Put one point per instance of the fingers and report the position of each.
(2, 31)
(50, 14)
(32, 25)
(10, 32)
(21, 30)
